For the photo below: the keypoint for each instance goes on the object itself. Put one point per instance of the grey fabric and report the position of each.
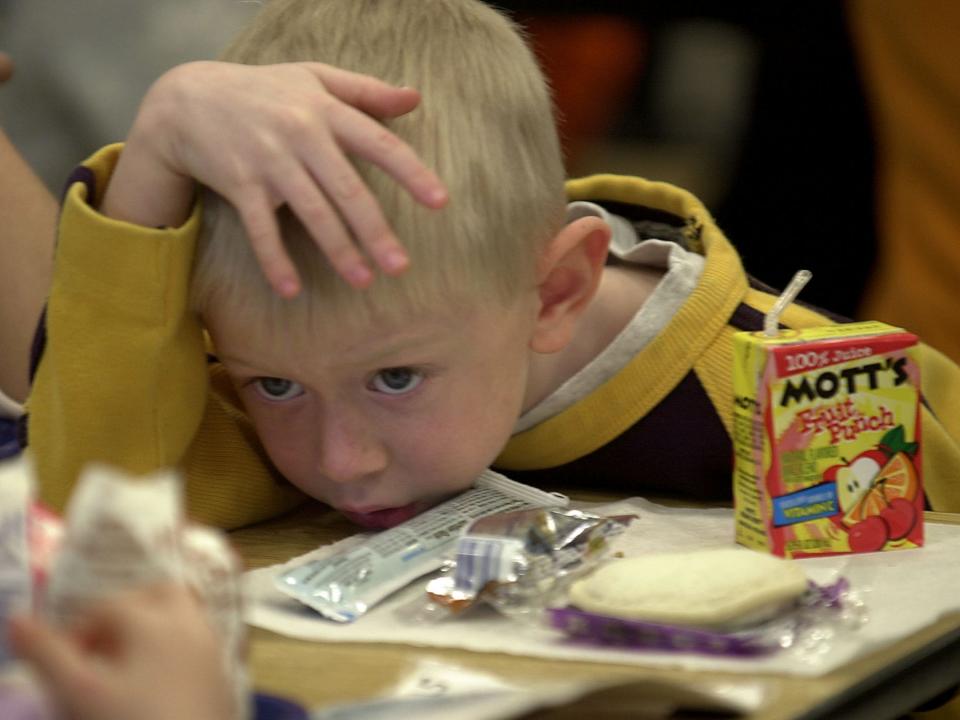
(82, 67)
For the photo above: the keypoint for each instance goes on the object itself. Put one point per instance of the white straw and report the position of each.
(772, 318)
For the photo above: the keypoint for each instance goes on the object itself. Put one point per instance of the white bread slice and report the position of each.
(704, 588)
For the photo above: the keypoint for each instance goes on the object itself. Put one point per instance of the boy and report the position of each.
(382, 402)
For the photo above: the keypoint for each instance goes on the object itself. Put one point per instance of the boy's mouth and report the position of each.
(384, 518)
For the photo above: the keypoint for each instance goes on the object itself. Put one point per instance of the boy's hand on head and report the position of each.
(148, 654)
(264, 136)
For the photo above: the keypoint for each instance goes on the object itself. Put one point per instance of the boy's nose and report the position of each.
(347, 451)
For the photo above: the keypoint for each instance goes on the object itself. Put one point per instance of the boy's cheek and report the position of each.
(286, 451)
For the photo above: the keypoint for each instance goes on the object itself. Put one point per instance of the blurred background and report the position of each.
(822, 135)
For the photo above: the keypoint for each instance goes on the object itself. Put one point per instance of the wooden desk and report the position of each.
(886, 684)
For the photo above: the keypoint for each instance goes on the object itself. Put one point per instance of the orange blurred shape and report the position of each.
(593, 63)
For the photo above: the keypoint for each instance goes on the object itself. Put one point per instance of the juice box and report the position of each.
(827, 452)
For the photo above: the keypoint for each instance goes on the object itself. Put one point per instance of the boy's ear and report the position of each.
(568, 275)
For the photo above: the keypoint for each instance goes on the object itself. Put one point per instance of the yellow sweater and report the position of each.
(125, 379)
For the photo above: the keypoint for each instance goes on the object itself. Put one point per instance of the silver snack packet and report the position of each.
(522, 562)
(345, 585)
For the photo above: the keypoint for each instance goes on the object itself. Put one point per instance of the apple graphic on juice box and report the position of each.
(856, 478)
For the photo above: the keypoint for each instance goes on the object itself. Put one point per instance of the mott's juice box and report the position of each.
(827, 440)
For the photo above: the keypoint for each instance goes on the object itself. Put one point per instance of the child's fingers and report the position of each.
(103, 625)
(54, 657)
(364, 92)
(371, 140)
(112, 625)
(308, 198)
(368, 139)
(260, 222)
(361, 212)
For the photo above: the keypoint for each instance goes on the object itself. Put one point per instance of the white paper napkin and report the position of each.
(903, 591)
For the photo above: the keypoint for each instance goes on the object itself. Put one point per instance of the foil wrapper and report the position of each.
(522, 562)
(344, 585)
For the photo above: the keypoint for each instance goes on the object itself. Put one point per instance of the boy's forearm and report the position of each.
(28, 214)
(144, 194)
(144, 189)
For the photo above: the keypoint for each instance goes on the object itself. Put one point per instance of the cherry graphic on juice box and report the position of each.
(827, 447)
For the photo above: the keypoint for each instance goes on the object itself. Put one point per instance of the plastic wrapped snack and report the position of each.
(523, 561)
(343, 586)
(725, 601)
(119, 533)
(215, 572)
(16, 496)
(45, 533)
(123, 532)
(720, 587)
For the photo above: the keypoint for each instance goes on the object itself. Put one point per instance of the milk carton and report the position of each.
(827, 440)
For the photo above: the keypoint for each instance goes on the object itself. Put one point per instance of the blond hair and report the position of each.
(485, 125)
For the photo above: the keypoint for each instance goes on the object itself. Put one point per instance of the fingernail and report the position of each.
(439, 196)
(359, 276)
(394, 261)
(288, 288)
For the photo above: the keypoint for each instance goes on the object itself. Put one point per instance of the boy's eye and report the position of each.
(396, 381)
(277, 388)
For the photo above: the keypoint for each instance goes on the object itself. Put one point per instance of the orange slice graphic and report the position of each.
(898, 478)
(872, 503)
